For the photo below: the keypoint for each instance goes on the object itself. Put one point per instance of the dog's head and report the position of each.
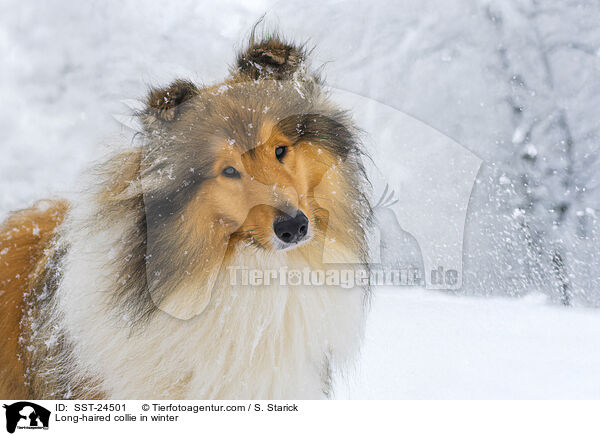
(262, 160)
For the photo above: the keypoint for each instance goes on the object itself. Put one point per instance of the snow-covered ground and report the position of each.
(430, 345)
(67, 65)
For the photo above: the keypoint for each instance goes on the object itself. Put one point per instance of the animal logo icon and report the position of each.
(27, 415)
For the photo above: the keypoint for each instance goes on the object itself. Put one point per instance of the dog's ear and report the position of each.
(269, 58)
(165, 104)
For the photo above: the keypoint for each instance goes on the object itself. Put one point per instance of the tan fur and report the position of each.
(251, 203)
(134, 299)
(23, 238)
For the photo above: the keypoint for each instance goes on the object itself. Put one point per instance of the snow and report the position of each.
(70, 68)
(431, 345)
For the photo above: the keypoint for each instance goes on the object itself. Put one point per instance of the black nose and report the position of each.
(291, 229)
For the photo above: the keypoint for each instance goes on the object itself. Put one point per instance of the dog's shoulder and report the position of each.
(24, 237)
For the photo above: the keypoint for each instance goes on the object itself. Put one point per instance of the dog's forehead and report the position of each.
(242, 118)
(249, 140)
(252, 109)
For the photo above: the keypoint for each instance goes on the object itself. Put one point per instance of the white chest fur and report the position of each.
(250, 342)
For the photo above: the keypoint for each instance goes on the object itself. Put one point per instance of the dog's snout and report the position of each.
(291, 229)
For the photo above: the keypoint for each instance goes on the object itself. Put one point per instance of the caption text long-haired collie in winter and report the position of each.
(126, 290)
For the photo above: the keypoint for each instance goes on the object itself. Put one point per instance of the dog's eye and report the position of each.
(231, 172)
(280, 152)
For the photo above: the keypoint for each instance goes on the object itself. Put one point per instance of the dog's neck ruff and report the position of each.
(266, 342)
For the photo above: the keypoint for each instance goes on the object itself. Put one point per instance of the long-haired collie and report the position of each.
(144, 284)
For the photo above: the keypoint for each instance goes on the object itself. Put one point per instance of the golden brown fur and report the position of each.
(162, 222)
(24, 236)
